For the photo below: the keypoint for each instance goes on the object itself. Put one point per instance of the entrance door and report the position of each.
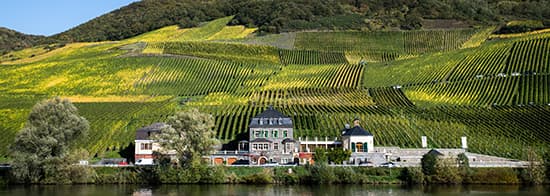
(263, 160)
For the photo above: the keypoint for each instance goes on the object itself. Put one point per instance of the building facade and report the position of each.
(356, 139)
(145, 146)
(271, 139)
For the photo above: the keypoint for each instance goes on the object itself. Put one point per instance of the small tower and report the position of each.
(357, 139)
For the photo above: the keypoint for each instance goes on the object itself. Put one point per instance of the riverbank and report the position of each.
(273, 189)
(314, 174)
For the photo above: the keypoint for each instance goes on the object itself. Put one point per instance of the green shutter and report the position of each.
(365, 147)
(353, 147)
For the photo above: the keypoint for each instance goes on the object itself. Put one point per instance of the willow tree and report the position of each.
(40, 148)
(191, 134)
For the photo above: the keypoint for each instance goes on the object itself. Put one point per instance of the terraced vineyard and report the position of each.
(443, 84)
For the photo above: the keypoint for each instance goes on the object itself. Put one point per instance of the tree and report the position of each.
(428, 161)
(52, 128)
(338, 155)
(446, 172)
(190, 134)
(320, 156)
(535, 169)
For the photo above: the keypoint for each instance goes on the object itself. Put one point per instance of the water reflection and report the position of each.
(268, 190)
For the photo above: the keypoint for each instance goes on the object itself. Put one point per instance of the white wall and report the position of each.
(347, 140)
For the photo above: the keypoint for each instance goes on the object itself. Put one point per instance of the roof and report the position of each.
(288, 140)
(145, 132)
(271, 113)
(435, 152)
(355, 131)
(271, 118)
(261, 140)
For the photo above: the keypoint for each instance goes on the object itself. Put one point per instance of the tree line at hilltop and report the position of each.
(288, 15)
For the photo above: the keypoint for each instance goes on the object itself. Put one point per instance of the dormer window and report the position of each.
(261, 121)
(270, 121)
(280, 121)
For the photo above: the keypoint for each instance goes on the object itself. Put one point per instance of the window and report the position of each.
(266, 146)
(353, 147)
(266, 133)
(146, 146)
(288, 148)
(257, 134)
(261, 121)
(359, 147)
(275, 133)
(270, 121)
(254, 146)
(280, 121)
(285, 133)
(275, 146)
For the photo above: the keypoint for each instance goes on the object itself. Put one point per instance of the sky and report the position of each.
(49, 17)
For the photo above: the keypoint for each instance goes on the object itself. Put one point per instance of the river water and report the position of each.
(218, 190)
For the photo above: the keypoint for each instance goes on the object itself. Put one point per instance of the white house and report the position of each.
(145, 145)
(357, 139)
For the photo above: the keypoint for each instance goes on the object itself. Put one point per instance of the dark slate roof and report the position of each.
(261, 140)
(435, 152)
(270, 113)
(288, 140)
(279, 120)
(144, 132)
(355, 131)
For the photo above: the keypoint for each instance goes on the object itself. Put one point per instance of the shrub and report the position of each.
(345, 175)
(446, 172)
(493, 176)
(412, 175)
(264, 177)
(213, 175)
(428, 162)
(282, 176)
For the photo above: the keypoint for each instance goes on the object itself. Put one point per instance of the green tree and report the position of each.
(535, 169)
(428, 162)
(338, 155)
(190, 134)
(447, 172)
(320, 156)
(547, 165)
(41, 147)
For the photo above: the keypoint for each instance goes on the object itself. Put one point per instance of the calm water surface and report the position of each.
(218, 190)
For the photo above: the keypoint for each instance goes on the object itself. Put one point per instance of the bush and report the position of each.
(322, 174)
(412, 175)
(264, 177)
(345, 175)
(213, 175)
(113, 175)
(281, 176)
(493, 176)
(446, 172)
(428, 162)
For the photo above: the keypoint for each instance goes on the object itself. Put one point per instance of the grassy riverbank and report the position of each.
(316, 174)
(300, 175)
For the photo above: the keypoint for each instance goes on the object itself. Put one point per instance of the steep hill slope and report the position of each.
(444, 88)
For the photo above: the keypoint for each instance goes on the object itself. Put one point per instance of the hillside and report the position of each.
(403, 84)
(12, 40)
(294, 15)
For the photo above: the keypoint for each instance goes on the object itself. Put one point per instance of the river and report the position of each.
(218, 190)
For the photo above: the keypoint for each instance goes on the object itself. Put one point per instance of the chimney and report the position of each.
(356, 122)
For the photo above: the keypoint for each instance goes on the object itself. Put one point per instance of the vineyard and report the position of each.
(443, 84)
